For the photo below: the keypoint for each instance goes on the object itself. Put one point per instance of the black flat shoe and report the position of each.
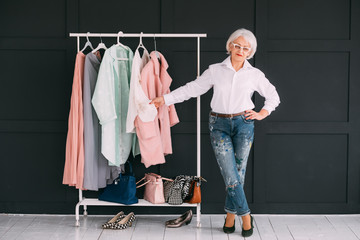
(229, 229)
(248, 233)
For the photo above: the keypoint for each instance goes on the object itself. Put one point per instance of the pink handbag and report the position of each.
(154, 189)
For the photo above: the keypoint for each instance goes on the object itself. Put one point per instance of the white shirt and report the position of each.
(138, 101)
(232, 90)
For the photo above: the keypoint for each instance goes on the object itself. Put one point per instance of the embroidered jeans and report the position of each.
(231, 139)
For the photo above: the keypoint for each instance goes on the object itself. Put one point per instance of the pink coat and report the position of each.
(155, 137)
(74, 159)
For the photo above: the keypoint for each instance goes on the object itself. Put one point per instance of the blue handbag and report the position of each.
(122, 190)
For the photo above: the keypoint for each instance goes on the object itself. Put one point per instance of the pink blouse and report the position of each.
(155, 136)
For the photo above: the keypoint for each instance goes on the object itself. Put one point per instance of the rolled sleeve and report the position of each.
(268, 91)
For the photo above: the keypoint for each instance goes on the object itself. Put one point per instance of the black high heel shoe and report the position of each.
(178, 222)
(248, 233)
(229, 229)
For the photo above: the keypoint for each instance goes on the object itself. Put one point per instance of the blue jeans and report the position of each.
(231, 139)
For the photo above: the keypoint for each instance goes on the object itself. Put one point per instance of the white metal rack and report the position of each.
(95, 202)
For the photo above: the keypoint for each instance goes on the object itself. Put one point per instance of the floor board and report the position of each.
(146, 227)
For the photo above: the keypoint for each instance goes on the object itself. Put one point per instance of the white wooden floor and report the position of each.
(267, 227)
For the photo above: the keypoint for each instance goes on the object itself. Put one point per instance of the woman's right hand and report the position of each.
(158, 102)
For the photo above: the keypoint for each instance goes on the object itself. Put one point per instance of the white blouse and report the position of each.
(138, 101)
(232, 90)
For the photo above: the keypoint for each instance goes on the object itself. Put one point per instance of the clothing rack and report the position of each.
(95, 202)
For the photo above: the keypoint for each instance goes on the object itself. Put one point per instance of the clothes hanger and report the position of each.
(141, 45)
(100, 46)
(88, 43)
(118, 40)
(157, 53)
(121, 45)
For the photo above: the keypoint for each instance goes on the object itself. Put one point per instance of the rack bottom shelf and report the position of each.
(96, 202)
(142, 202)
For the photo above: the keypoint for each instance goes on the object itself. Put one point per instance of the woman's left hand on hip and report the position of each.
(251, 114)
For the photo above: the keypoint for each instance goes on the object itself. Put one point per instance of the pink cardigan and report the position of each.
(155, 137)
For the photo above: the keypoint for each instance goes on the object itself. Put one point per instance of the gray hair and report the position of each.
(249, 37)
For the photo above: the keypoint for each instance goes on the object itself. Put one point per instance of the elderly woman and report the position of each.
(231, 120)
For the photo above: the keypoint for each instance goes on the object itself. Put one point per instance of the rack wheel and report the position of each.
(198, 224)
(85, 213)
(77, 223)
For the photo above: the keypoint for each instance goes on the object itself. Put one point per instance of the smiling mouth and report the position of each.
(239, 55)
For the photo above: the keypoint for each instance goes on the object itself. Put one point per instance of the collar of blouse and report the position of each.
(227, 63)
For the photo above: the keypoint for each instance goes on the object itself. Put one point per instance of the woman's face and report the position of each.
(239, 49)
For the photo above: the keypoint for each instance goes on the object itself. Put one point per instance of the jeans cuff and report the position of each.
(230, 211)
(244, 214)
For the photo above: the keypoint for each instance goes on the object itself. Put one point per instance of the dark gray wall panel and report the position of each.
(306, 147)
(31, 167)
(34, 85)
(28, 18)
(114, 16)
(311, 169)
(213, 191)
(308, 19)
(183, 159)
(183, 68)
(218, 20)
(313, 86)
